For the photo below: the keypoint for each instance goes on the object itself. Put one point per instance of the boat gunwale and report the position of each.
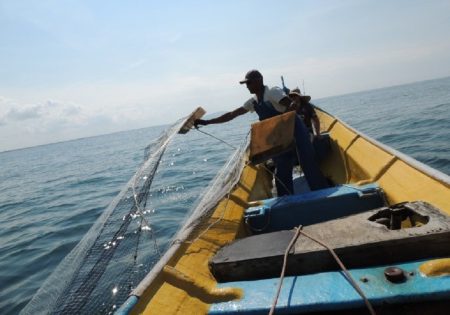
(420, 166)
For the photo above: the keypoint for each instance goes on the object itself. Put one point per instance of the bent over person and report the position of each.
(305, 110)
(269, 102)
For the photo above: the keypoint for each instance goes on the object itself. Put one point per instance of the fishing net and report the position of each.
(121, 248)
(197, 224)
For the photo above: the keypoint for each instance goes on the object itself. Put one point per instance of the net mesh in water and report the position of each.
(120, 249)
(113, 257)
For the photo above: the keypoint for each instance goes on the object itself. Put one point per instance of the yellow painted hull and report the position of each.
(359, 160)
(186, 286)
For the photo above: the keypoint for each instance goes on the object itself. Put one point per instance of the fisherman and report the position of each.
(306, 111)
(269, 102)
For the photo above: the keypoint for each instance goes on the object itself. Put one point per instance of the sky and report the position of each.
(73, 69)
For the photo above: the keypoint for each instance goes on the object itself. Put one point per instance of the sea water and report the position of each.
(50, 195)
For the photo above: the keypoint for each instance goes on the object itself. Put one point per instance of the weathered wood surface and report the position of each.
(271, 137)
(196, 114)
(356, 240)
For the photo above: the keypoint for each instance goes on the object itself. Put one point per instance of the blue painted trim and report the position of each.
(126, 307)
(331, 291)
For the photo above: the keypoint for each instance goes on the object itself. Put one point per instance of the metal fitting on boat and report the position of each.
(395, 274)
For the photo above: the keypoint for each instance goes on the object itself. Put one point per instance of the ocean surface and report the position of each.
(51, 195)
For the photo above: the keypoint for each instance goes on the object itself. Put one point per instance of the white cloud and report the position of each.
(18, 114)
(91, 109)
(23, 124)
(48, 111)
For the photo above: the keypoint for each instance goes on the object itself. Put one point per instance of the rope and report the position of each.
(264, 166)
(276, 177)
(347, 274)
(223, 141)
(286, 253)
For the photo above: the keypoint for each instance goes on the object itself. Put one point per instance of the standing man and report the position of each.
(266, 102)
(269, 102)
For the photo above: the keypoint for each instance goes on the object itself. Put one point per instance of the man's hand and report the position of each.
(200, 122)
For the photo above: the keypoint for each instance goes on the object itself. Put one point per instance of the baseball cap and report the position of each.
(251, 75)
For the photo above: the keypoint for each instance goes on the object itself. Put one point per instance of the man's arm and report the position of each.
(316, 125)
(221, 119)
(314, 119)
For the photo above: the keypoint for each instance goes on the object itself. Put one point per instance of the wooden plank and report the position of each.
(271, 137)
(189, 123)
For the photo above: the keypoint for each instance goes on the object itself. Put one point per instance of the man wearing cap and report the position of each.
(269, 102)
(305, 110)
(266, 102)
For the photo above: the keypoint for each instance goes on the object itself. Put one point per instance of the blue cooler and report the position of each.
(287, 212)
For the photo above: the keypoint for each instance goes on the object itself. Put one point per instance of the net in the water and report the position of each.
(109, 261)
(120, 249)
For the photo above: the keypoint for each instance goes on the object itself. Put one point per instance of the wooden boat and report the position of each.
(233, 265)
